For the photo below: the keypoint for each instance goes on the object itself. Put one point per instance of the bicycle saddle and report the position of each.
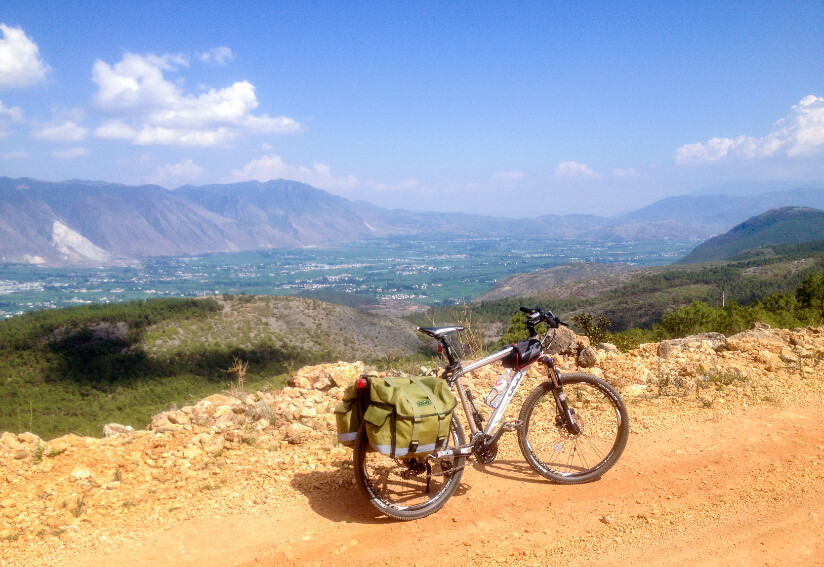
(438, 332)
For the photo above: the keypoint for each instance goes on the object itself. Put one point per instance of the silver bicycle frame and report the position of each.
(498, 413)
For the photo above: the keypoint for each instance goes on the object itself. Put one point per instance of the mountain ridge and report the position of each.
(785, 225)
(116, 222)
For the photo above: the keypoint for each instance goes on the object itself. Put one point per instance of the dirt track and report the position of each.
(745, 488)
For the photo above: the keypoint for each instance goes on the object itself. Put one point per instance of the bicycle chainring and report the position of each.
(487, 453)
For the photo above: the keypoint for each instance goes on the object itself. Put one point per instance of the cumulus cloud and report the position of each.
(20, 62)
(508, 176)
(7, 117)
(148, 109)
(574, 169)
(68, 131)
(217, 56)
(186, 171)
(273, 167)
(70, 153)
(799, 134)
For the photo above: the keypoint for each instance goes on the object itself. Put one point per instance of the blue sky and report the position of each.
(511, 109)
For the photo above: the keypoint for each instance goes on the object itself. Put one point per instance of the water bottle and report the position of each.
(498, 390)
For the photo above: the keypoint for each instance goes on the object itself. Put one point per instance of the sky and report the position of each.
(502, 108)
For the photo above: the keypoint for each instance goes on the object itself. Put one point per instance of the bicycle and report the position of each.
(571, 429)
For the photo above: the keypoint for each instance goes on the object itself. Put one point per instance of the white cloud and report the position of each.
(148, 109)
(115, 130)
(7, 116)
(799, 134)
(625, 173)
(67, 132)
(574, 169)
(272, 167)
(508, 176)
(217, 56)
(70, 153)
(20, 63)
(186, 171)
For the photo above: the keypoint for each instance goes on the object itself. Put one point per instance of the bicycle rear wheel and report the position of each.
(408, 489)
(574, 458)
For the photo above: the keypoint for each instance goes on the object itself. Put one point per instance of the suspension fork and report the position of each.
(564, 412)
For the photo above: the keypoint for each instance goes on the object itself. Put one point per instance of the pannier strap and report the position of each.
(443, 424)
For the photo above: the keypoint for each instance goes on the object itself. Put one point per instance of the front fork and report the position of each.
(565, 413)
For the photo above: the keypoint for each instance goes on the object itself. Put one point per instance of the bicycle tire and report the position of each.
(561, 456)
(398, 488)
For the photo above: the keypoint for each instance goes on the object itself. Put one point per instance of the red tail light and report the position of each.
(361, 384)
(440, 348)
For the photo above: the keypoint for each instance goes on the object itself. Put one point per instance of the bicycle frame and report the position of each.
(494, 427)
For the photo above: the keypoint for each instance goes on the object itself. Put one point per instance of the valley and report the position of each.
(393, 275)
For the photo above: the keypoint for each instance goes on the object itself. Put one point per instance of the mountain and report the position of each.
(786, 225)
(94, 222)
(717, 213)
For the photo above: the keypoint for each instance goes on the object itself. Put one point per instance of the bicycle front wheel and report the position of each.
(408, 489)
(557, 453)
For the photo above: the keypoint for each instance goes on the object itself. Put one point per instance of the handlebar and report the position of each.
(536, 315)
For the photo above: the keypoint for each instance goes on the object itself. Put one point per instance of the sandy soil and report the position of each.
(703, 488)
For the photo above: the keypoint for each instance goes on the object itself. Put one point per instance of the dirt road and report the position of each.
(698, 488)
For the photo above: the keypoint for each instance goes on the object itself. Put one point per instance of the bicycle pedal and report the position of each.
(512, 425)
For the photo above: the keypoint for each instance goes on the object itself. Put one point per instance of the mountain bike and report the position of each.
(571, 429)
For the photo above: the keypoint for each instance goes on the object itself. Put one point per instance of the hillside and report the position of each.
(787, 225)
(638, 297)
(535, 283)
(93, 222)
(724, 464)
(72, 369)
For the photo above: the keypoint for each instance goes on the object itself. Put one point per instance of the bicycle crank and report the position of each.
(486, 453)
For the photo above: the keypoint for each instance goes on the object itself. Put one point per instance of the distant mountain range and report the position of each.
(786, 225)
(88, 222)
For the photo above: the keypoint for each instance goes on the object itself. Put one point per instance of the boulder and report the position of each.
(717, 342)
(564, 342)
(113, 429)
(587, 358)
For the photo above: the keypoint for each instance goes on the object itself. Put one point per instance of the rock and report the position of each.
(635, 390)
(717, 341)
(178, 417)
(297, 433)
(10, 442)
(607, 347)
(29, 439)
(81, 473)
(214, 444)
(113, 429)
(587, 358)
(309, 412)
(565, 342)
(300, 381)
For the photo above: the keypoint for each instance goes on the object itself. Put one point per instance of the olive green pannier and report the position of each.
(348, 415)
(406, 417)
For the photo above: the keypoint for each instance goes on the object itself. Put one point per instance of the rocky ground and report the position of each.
(725, 464)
